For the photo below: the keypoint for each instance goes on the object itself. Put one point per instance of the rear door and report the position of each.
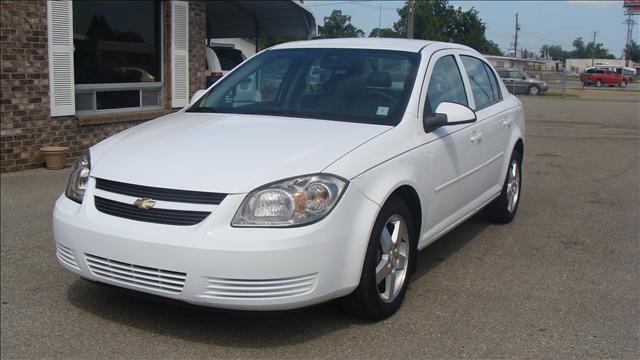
(493, 120)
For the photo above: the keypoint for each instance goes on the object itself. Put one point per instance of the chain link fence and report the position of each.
(556, 83)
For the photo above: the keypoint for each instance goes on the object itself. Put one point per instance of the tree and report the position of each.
(437, 20)
(384, 32)
(632, 52)
(338, 25)
(585, 52)
(555, 52)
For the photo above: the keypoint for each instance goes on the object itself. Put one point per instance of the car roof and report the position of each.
(410, 45)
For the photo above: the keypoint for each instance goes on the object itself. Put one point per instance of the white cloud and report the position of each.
(596, 4)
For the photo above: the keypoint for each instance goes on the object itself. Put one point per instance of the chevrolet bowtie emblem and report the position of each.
(144, 203)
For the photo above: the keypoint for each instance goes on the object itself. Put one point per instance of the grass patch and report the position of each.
(555, 94)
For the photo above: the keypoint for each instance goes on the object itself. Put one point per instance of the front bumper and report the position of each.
(214, 264)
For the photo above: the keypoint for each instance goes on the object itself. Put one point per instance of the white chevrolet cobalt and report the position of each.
(313, 171)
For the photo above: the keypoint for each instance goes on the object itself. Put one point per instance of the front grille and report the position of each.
(158, 216)
(155, 193)
(66, 256)
(259, 289)
(136, 275)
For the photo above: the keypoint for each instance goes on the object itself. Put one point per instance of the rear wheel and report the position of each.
(534, 90)
(387, 266)
(623, 84)
(503, 209)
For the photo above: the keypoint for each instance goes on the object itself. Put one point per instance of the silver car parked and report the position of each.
(519, 82)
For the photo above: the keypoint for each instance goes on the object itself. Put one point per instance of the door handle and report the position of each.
(507, 123)
(475, 139)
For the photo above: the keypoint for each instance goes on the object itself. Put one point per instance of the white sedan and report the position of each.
(346, 158)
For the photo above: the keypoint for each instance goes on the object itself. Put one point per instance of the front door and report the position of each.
(453, 152)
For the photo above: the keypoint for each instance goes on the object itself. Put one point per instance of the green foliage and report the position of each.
(384, 33)
(437, 20)
(338, 25)
(632, 51)
(580, 51)
(584, 52)
(555, 52)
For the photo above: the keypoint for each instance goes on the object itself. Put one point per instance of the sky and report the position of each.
(541, 22)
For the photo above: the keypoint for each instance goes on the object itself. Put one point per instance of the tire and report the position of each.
(598, 83)
(623, 84)
(373, 299)
(533, 90)
(503, 209)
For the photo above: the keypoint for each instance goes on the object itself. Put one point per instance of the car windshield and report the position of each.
(355, 85)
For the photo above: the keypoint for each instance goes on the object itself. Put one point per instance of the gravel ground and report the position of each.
(562, 281)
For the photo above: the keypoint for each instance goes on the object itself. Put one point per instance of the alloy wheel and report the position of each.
(393, 262)
(513, 186)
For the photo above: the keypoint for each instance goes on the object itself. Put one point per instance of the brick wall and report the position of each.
(24, 88)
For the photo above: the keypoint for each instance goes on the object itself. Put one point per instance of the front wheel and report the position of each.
(387, 266)
(534, 90)
(503, 209)
(598, 83)
(623, 84)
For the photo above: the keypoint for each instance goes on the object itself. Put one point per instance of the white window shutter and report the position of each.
(60, 33)
(179, 53)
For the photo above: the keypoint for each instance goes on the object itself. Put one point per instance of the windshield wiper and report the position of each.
(203, 109)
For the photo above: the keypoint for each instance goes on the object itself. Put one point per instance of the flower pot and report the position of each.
(55, 157)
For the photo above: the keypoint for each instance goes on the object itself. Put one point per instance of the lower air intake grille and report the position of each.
(66, 256)
(158, 216)
(135, 275)
(260, 289)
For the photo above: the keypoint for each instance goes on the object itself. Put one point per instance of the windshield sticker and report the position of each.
(382, 111)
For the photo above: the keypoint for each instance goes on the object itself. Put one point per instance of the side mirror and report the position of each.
(197, 95)
(448, 113)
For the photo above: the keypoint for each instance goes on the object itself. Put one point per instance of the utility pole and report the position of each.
(630, 22)
(380, 21)
(410, 20)
(593, 51)
(515, 42)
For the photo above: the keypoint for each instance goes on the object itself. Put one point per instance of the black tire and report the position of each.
(598, 83)
(623, 84)
(533, 90)
(365, 301)
(498, 210)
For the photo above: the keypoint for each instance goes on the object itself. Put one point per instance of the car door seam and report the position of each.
(479, 167)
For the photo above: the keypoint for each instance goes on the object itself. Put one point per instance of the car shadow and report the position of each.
(437, 252)
(242, 329)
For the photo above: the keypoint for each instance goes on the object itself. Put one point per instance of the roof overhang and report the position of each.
(255, 18)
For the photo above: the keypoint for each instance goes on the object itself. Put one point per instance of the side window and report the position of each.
(445, 85)
(479, 80)
(497, 95)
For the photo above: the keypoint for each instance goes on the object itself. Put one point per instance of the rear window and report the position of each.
(228, 57)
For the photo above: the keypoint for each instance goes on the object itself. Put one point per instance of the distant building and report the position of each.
(505, 62)
(578, 65)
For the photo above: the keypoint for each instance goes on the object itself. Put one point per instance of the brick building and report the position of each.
(75, 72)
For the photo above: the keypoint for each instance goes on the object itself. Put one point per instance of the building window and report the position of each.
(118, 55)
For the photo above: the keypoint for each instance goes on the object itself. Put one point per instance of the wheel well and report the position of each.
(410, 197)
(520, 148)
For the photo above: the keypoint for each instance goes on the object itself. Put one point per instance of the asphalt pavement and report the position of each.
(562, 281)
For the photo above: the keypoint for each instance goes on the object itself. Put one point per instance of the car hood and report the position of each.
(229, 153)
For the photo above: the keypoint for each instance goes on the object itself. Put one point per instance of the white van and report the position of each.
(219, 60)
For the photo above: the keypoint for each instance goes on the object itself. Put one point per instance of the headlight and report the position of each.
(79, 178)
(291, 202)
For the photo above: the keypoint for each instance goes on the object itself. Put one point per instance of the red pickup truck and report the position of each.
(599, 77)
